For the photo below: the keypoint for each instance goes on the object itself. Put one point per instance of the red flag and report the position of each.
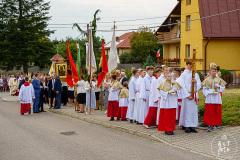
(71, 68)
(158, 54)
(104, 66)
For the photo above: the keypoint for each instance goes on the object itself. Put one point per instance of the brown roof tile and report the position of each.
(222, 26)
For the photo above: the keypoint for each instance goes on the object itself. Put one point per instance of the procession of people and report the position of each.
(152, 97)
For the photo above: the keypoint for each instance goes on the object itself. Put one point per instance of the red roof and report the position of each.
(57, 57)
(123, 40)
(222, 26)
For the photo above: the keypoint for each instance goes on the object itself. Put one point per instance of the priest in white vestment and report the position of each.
(189, 109)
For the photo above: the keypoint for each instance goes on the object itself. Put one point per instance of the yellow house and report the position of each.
(200, 25)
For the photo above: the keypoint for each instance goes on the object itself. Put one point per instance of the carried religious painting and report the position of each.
(61, 70)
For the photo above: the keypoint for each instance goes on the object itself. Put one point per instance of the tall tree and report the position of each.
(24, 34)
(97, 43)
(145, 44)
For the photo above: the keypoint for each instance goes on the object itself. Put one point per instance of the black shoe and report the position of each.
(96, 109)
(136, 122)
(192, 129)
(123, 120)
(139, 123)
(131, 121)
(22, 113)
(43, 111)
(183, 128)
(29, 111)
(187, 130)
(169, 133)
(111, 119)
(118, 119)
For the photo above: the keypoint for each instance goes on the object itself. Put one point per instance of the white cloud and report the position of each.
(81, 11)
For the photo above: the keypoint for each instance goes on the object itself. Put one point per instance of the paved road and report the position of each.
(38, 136)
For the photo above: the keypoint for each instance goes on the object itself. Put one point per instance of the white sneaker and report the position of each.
(146, 126)
(106, 112)
(216, 128)
(208, 129)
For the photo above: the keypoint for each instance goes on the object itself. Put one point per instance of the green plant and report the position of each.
(128, 73)
(225, 72)
(149, 62)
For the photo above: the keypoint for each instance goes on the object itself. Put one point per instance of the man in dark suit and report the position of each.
(51, 93)
(21, 83)
(42, 95)
(123, 78)
(57, 91)
(37, 88)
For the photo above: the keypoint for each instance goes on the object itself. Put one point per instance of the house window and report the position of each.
(188, 24)
(178, 52)
(188, 51)
(188, 2)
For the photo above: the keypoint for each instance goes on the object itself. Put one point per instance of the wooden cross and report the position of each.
(193, 61)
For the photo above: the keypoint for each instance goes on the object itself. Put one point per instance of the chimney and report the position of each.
(117, 38)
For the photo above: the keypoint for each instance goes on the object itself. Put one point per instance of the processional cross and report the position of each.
(193, 61)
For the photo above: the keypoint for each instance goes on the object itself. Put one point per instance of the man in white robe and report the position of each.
(138, 102)
(10, 83)
(151, 119)
(132, 95)
(189, 109)
(144, 94)
(26, 95)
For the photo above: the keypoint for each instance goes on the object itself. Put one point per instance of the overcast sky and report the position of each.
(81, 11)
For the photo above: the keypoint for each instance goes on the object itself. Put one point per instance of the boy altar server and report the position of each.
(123, 101)
(151, 119)
(144, 94)
(132, 95)
(169, 104)
(139, 100)
(189, 109)
(212, 86)
(26, 95)
(113, 104)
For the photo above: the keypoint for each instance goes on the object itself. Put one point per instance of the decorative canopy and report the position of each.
(57, 58)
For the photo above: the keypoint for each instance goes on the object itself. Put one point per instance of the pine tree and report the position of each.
(149, 62)
(23, 34)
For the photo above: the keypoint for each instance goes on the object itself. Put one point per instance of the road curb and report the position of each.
(126, 130)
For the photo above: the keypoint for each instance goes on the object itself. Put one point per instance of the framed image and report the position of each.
(61, 70)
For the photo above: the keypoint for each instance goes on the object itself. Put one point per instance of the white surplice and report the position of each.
(212, 98)
(26, 94)
(161, 79)
(132, 96)
(138, 101)
(189, 108)
(144, 94)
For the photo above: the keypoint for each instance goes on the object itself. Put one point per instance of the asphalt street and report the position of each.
(50, 136)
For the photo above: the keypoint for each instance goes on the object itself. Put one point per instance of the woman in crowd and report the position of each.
(106, 85)
(5, 83)
(97, 91)
(70, 96)
(89, 87)
(81, 97)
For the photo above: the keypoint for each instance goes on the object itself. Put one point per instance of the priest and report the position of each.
(189, 109)
(26, 95)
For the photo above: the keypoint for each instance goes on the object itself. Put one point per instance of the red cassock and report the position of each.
(122, 112)
(151, 117)
(25, 107)
(112, 110)
(212, 114)
(167, 120)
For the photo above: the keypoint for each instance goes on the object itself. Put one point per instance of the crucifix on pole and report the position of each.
(193, 61)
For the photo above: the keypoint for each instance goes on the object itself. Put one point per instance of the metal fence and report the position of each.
(232, 80)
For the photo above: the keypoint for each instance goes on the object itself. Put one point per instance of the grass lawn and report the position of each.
(230, 106)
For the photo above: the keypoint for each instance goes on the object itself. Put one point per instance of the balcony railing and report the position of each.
(168, 37)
